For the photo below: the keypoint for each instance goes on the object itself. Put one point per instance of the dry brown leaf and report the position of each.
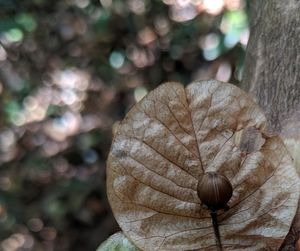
(291, 136)
(164, 145)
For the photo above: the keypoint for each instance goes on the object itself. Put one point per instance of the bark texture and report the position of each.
(272, 73)
(272, 76)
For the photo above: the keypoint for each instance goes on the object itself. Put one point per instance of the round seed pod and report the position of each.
(214, 190)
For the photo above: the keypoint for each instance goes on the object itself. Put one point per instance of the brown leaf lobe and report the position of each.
(164, 145)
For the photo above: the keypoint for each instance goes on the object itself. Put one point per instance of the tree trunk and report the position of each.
(272, 75)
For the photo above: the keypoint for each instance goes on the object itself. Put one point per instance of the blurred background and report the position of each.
(69, 71)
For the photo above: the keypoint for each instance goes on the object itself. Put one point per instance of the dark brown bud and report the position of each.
(214, 190)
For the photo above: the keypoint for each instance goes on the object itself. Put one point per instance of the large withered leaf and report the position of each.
(164, 145)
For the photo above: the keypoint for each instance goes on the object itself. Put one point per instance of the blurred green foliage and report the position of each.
(68, 71)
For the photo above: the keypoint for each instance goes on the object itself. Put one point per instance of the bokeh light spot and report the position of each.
(14, 35)
(3, 54)
(106, 3)
(35, 224)
(213, 7)
(90, 156)
(27, 21)
(116, 59)
(224, 72)
(139, 93)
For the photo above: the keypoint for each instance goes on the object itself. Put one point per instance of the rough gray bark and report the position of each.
(272, 72)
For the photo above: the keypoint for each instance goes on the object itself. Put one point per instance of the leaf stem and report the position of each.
(213, 215)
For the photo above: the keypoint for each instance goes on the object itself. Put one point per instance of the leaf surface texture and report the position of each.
(174, 135)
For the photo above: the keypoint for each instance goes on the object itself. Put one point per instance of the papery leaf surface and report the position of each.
(174, 135)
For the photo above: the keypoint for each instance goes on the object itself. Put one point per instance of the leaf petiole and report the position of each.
(213, 215)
